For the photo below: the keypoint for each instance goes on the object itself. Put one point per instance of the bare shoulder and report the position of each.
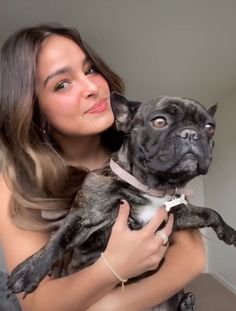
(190, 236)
(5, 198)
(17, 244)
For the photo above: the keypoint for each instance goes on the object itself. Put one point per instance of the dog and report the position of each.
(167, 142)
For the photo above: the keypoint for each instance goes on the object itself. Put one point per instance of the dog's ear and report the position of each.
(124, 110)
(212, 110)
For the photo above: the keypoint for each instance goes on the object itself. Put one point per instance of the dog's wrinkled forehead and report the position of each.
(173, 105)
(129, 114)
(178, 109)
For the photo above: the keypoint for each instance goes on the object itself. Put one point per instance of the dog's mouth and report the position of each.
(181, 171)
(185, 162)
(188, 163)
(174, 162)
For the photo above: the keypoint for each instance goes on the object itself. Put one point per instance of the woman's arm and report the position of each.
(184, 260)
(78, 291)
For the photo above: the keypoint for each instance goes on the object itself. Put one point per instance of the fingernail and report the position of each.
(122, 202)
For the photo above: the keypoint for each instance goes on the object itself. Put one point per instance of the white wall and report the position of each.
(220, 191)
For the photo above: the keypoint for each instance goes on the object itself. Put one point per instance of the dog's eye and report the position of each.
(210, 128)
(159, 122)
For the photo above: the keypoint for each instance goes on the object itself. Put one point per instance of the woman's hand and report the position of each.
(132, 252)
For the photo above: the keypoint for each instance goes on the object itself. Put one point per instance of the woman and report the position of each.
(56, 118)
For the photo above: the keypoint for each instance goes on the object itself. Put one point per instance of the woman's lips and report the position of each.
(99, 107)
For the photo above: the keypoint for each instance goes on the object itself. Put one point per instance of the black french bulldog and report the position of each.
(168, 141)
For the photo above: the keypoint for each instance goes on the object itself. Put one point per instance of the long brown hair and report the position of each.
(33, 168)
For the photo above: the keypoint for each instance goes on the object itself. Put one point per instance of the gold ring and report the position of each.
(163, 236)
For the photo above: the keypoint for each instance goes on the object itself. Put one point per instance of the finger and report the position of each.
(123, 214)
(169, 225)
(157, 258)
(155, 222)
(162, 251)
(163, 234)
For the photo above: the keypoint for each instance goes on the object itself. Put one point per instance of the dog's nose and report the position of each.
(189, 134)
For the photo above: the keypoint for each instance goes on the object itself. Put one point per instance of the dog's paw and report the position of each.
(187, 303)
(26, 276)
(226, 234)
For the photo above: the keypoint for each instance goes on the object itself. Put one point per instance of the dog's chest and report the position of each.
(146, 212)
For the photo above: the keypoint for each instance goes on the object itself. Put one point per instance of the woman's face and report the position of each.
(72, 95)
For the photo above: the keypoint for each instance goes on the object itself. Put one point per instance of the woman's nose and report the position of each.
(89, 87)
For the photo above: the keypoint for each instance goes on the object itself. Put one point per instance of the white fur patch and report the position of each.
(148, 211)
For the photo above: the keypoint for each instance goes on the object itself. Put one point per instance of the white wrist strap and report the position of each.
(114, 272)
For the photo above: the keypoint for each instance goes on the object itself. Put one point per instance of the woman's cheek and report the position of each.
(67, 104)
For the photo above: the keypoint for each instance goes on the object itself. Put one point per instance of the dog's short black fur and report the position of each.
(168, 141)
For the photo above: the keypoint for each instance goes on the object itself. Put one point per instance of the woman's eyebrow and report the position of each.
(66, 69)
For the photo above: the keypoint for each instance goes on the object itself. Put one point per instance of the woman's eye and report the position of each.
(62, 85)
(91, 70)
(159, 122)
(210, 128)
